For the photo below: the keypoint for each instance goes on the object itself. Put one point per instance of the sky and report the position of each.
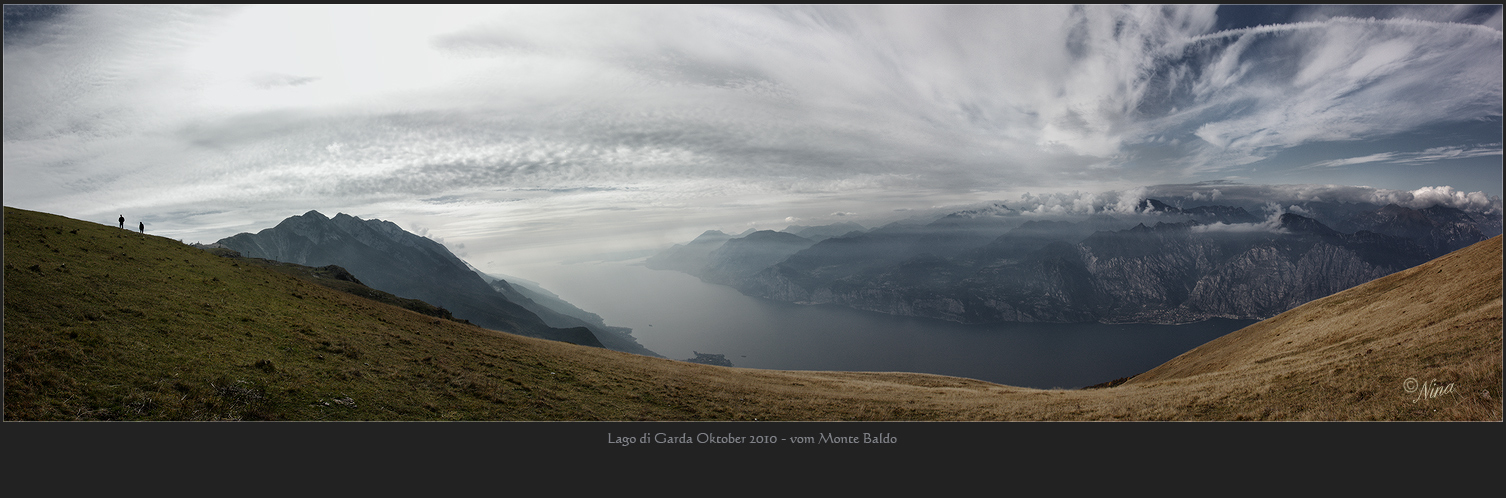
(524, 134)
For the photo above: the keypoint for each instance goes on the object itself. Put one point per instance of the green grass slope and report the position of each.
(339, 279)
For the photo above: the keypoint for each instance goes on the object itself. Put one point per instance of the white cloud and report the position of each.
(645, 115)
(1276, 196)
(1221, 227)
(1339, 79)
(1271, 224)
(1081, 202)
(1445, 196)
(1372, 158)
(1430, 155)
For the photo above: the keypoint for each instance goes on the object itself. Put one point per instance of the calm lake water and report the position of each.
(675, 314)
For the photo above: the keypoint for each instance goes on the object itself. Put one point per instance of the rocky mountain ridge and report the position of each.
(990, 265)
(390, 259)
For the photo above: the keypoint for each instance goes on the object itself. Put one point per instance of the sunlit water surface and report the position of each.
(675, 315)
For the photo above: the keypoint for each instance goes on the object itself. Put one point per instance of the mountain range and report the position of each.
(388, 258)
(1160, 264)
(109, 324)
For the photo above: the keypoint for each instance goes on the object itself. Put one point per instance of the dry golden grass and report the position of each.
(185, 335)
(1349, 356)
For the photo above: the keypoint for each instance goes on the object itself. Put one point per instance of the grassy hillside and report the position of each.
(339, 279)
(1350, 355)
(108, 324)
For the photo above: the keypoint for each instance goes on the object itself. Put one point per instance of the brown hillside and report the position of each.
(1351, 355)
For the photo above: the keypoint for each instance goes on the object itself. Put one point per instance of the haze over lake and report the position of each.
(676, 315)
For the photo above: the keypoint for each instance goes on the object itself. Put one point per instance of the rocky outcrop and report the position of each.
(1438, 229)
(1169, 273)
(710, 359)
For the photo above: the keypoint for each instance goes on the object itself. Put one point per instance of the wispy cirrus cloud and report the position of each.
(1417, 158)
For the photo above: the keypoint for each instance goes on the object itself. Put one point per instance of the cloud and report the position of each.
(1080, 202)
(1455, 152)
(268, 80)
(1221, 227)
(1429, 155)
(1337, 79)
(1271, 224)
(1275, 195)
(647, 113)
(1441, 196)
(1372, 158)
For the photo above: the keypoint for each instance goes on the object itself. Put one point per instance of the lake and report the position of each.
(675, 315)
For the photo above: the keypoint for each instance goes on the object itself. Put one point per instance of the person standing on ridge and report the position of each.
(122, 221)
(143, 228)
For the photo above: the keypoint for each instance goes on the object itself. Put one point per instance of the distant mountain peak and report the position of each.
(992, 209)
(1302, 224)
(711, 235)
(776, 236)
(823, 232)
(1152, 205)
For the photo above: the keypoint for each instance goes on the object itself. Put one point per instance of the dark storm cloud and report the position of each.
(23, 22)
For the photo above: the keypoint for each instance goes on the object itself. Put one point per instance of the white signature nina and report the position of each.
(1429, 390)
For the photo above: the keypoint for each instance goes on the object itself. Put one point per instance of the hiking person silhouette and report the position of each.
(143, 228)
(122, 221)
